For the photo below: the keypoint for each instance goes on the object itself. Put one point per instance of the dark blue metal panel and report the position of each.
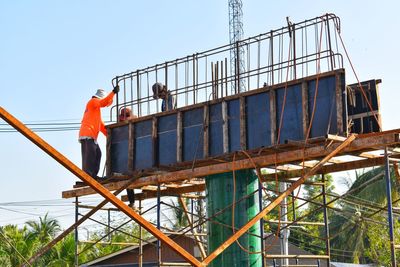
(292, 120)
(359, 106)
(258, 121)
(167, 139)
(193, 134)
(234, 125)
(143, 145)
(258, 125)
(216, 146)
(119, 149)
(325, 119)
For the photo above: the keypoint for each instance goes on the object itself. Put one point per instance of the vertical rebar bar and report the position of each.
(176, 83)
(226, 76)
(124, 95)
(148, 92)
(258, 63)
(390, 210)
(222, 78)
(272, 57)
(248, 66)
(237, 69)
(212, 81)
(205, 80)
(186, 82)
(139, 96)
(329, 43)
(197, 78)
(156, 73)
(193, 79)
(116, 99)
(216, 80)
(294, 51)
(132, 98)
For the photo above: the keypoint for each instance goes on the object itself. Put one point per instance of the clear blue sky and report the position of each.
(55, 54)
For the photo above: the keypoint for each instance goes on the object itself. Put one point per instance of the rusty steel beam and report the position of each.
(276, 202)
(363, 142)
(69, 165)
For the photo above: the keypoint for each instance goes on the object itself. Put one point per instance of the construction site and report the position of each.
(252, 123)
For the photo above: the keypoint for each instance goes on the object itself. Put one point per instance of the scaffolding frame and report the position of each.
(322, 151)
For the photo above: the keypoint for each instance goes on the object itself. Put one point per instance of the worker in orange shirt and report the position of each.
(91, 125)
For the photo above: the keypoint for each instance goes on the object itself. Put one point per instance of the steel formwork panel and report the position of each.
(252, 122)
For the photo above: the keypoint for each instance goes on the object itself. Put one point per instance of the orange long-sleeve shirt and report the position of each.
(92, 122)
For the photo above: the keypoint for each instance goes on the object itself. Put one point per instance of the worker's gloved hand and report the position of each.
(116, 89)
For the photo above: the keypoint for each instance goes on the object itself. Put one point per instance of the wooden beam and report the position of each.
(272, 115)
(304, 106)
(179, 136)
(206, 124)
(335, 137)
(276, 202)
(194, 231)
(242, 120)
(368, 155)
(339, 105)
(69, 165)
(225, 132)
(131, 147)
(361, 143)
(154, 140)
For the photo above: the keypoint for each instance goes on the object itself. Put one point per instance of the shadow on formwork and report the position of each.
(233, 154)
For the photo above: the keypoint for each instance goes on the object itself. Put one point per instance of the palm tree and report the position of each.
(350, 228)
(44, 230)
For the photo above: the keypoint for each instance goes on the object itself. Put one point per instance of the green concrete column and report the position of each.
(220, 195)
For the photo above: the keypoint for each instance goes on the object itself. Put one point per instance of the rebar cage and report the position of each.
(292, 52)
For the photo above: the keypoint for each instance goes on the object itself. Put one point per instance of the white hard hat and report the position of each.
(100, 93)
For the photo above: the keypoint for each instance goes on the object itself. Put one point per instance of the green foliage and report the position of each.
(360, 236)
(179, 214)
(12, 239)
(307, 237)
(379, 243)
(18, 244)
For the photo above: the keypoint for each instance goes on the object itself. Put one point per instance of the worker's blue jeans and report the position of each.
(91, 156)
